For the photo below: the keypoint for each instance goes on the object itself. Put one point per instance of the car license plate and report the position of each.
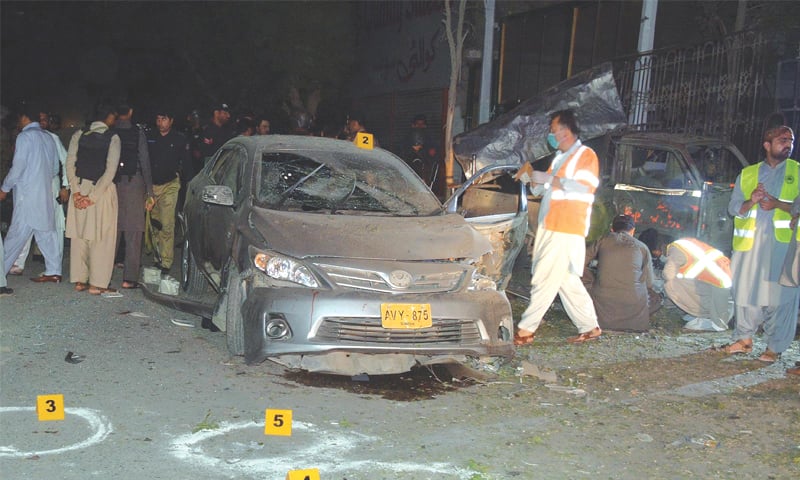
(406, 315)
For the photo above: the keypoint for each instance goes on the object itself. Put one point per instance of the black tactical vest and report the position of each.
(129, 151)
(92, 154)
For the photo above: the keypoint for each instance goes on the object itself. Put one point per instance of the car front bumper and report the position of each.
(463, 323)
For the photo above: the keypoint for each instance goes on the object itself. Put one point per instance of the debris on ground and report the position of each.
(578, 392)
(182, 323)
(73, 358)
(528, 369)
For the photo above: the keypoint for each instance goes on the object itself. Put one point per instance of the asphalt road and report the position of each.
(144, 398)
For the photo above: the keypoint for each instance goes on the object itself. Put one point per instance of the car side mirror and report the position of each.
(218, 195)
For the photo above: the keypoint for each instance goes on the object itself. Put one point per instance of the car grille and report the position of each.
(348, 330)
(375, 281)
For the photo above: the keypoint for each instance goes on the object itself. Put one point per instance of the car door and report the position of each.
(219, 221)
(718, 165)
(497, 207)
(658, 188)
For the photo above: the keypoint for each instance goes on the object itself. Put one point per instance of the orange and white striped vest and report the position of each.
(571, 212)
(703, 262)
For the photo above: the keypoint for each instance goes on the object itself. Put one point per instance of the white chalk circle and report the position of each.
(98, 424)
(243, 449)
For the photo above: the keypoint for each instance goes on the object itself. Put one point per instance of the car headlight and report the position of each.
(284, 268)
(481, 282)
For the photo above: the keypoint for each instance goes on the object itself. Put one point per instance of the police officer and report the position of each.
(169, 151)
(216, 133)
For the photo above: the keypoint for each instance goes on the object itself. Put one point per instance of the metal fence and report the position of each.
(723, 89)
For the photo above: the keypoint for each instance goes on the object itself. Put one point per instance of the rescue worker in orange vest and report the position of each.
(557, 260)
(697, 278)
(761, 205)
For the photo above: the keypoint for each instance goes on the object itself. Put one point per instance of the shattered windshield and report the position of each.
(341, 182)
(717, 164)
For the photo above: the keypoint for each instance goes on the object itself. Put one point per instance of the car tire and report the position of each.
(192, 280)
(234, 322)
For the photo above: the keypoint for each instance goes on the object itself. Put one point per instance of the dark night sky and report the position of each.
(69, 55)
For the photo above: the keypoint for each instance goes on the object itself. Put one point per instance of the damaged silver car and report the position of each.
(328, 257)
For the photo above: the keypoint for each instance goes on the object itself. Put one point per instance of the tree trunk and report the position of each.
(456, 43)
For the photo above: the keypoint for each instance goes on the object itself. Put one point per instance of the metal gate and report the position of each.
(717, 89)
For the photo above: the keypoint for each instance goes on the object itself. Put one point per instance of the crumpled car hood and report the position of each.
(375, 237)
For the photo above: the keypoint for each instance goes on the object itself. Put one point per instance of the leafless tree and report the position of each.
(455, 40)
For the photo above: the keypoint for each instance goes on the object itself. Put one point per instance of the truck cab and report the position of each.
(679, 185)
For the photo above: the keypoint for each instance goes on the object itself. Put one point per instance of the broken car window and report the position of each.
(651, 167)
(716, 164)
(335, 182)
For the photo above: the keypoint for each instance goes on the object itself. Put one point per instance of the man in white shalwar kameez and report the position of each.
(31, 176)
(559, 250)
(60, 194)
(761, 204)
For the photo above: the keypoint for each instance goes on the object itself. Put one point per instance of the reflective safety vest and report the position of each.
(571, 212)
(744, 226)
(703, 262)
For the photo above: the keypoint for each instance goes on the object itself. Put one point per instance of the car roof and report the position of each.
(299, 142)
(670, 139)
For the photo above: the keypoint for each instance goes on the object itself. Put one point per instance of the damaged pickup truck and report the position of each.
(323, 256)
(679, 185)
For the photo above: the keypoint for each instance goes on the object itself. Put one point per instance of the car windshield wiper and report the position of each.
(342, 201)
(291, 189)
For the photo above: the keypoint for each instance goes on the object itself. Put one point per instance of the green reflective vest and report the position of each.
(744, 226)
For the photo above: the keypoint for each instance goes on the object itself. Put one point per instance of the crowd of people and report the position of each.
(758, 287)
(115, 190)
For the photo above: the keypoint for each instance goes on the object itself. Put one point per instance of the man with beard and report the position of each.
(761, 205)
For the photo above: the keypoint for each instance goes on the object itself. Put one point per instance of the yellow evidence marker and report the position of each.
(50, 407)
(308, 474)
(365, 140)
(278, 422)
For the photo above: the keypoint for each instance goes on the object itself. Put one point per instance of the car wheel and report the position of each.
(192, 281)
(234, 323)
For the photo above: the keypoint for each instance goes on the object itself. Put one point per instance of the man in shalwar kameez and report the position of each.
(60, 194)
(92, 161)
(761, 204)
(559, 250)
(134, 193)
(32, 171)
(622, 289)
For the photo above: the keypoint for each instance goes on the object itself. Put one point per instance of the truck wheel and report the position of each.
(234, 323)
(192, 281)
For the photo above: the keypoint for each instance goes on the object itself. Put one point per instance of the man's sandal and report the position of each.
(769, 356)
(737, 347)
(523, 339)
(100, 290)
(593, 334)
